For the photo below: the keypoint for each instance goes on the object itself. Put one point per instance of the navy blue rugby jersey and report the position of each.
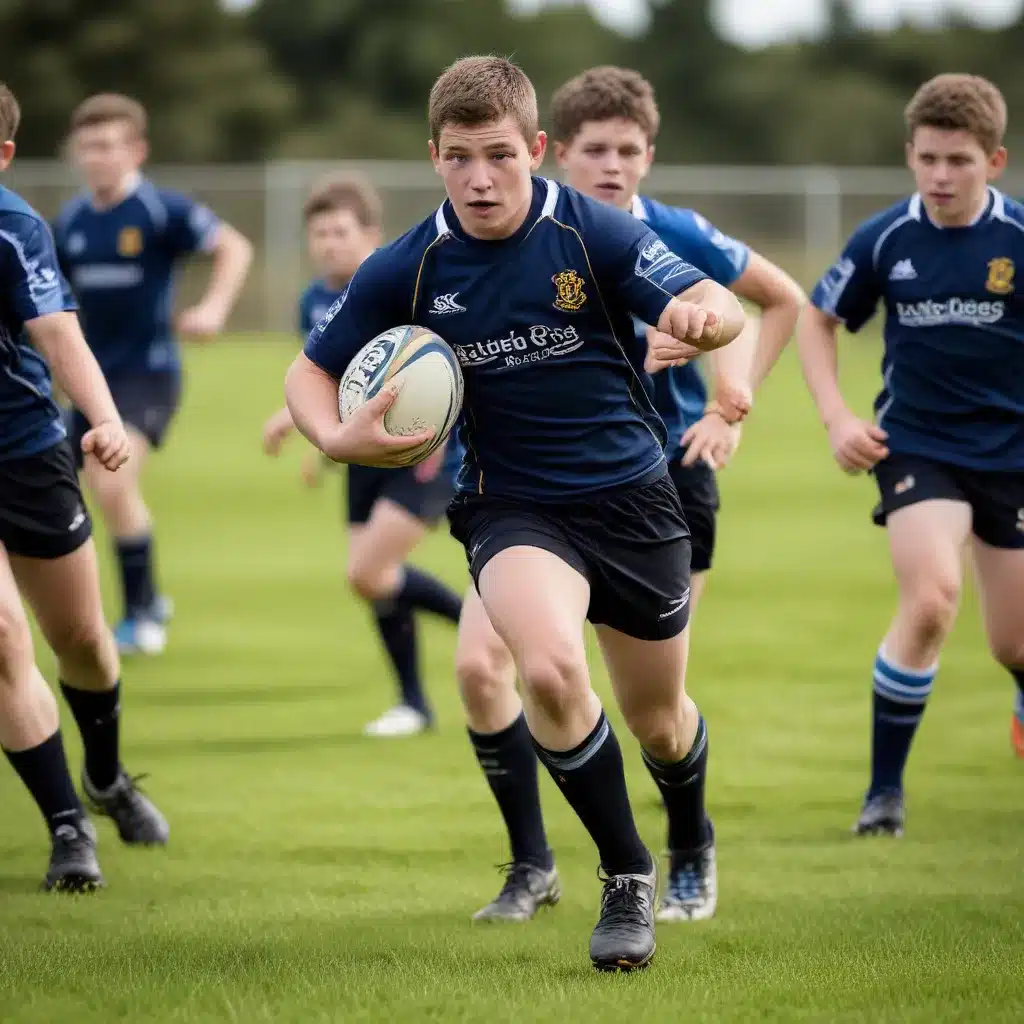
(556, 405)
(31, 286)
(953, 360)
(314, 304)
(680, 393)
(121, 263)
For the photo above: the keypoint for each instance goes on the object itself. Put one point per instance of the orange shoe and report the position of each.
(1017, 736)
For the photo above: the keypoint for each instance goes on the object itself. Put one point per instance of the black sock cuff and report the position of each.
(92, 702)
(578, 756)
(133, 545)
(497, 740)
(667, 770)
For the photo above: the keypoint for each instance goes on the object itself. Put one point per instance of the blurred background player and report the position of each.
(119, 244)
(389, 510)
(46, 550)
(604, 124)
(947, 443)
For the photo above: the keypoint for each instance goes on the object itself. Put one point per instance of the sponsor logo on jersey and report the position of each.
(954, 311)
(519, 348)
(569, 286)
(1000, 276)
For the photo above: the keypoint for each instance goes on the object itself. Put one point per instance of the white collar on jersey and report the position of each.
(994, 209)
(547, 210)
(638, 209)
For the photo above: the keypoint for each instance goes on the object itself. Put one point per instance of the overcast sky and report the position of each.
(757, 22)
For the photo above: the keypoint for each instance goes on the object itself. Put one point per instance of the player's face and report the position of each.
(607, 160)
(487, 172)
(107, 153)
(952, 171)
(338, 243)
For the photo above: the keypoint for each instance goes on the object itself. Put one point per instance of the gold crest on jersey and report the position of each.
(1000, 276)
(129, 242)
(569, 286)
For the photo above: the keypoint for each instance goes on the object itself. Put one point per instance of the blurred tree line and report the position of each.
(330, 78)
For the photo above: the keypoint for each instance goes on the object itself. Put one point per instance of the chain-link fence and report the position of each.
(798, 216)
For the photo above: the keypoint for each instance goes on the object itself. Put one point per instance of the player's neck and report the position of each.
(104, 199)
(336, 282)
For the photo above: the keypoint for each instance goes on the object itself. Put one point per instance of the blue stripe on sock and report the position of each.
(904, 686)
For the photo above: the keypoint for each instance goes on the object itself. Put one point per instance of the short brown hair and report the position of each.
(345, 192)
(601, 93)
(105, 107)
(960, 103)
(475, 90)
(10, 114)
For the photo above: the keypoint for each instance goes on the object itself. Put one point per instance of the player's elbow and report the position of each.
(231, 243)
(730, 311)
(815, 328)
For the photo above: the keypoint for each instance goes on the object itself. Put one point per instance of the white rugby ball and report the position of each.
(430, 376)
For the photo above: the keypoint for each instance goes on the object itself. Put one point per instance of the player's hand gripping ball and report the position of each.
(429, 376)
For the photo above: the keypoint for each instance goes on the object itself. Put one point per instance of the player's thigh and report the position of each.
(647, 676)
(64, 594)
(926, 545)
(484, 669)
(1000, 575)
(384, 541)
(532, 582)
(479, 651)
(16, 655)
(537, 603)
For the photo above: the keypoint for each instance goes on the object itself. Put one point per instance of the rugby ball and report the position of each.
(431, 380)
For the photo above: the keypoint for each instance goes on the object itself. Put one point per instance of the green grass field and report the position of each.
(314, 875)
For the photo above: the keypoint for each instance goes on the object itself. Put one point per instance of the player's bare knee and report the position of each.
(368, 582)
(1008, 651)
(87, 653)
(933, 606)
(482, 682)
(15, 646)
(555, 678)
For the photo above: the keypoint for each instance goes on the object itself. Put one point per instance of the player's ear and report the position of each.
(435, 157)
(537, 150)
(561, 150)
(141, 148)
(6, 154)
(649, 160)
(997, 163)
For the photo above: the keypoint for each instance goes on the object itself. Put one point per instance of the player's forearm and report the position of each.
(312, 398)
(819, 359)
(59, 339)
(713, 298)
(232, 257)
(778, 325)
(733, 364)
